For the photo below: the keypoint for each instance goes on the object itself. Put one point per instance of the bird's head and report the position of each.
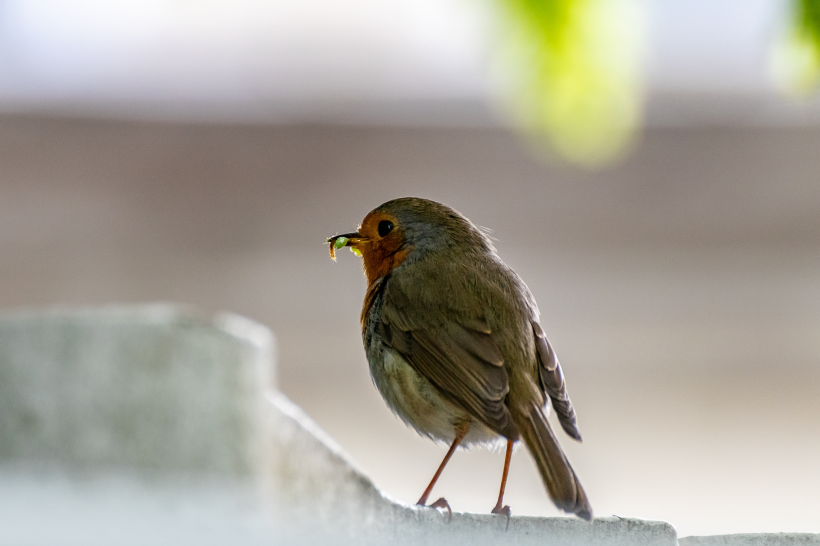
(408, 229)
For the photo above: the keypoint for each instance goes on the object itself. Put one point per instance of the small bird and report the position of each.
(454, 344)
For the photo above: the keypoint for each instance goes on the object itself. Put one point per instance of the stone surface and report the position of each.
(153, 388)
(132, 425)
(760, 539)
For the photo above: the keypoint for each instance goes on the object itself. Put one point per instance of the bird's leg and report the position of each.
(499, 506)
(461, 432)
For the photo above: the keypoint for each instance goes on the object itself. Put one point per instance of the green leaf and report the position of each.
(572, 69)
(796, 57)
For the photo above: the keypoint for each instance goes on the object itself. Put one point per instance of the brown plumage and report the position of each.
(454, 343)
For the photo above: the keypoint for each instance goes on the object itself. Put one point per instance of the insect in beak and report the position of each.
(347, 239)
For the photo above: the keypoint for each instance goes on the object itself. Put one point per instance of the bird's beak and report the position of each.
(352, 240)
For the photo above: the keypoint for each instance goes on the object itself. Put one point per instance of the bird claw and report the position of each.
(505, 511)
(441, 503)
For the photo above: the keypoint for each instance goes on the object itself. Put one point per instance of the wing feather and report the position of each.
(465, 365)
(553, 384)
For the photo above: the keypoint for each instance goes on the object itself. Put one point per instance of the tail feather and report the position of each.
(562, 484)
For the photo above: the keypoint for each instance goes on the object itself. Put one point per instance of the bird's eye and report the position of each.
(385, 227)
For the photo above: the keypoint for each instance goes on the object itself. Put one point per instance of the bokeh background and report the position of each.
(201, 152)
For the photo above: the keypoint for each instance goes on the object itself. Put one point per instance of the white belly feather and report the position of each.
(419, 404)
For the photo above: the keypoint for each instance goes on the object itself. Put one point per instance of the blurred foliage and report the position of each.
(572, 68)
(797, 58)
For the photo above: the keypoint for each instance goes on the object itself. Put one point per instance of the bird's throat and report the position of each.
(382, 259)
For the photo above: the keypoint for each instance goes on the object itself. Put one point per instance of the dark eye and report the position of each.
(385, 227)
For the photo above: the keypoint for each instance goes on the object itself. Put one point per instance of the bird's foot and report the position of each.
(440, 504)
(505, 511)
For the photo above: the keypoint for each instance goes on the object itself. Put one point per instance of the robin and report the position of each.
(454, 343)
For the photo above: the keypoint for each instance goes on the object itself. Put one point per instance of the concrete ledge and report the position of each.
(749, 539)
(117, 414)
(153, 388)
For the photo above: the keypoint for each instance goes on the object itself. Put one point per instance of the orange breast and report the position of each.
(378, 262)
(381, 259)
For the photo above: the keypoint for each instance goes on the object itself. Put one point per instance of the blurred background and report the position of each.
(662, 203)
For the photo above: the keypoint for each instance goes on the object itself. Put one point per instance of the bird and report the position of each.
(454, 343)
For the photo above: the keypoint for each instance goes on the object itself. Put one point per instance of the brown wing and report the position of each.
(462, 361)
(552, 382)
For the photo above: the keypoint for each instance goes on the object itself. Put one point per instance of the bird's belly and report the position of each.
(419, 404)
